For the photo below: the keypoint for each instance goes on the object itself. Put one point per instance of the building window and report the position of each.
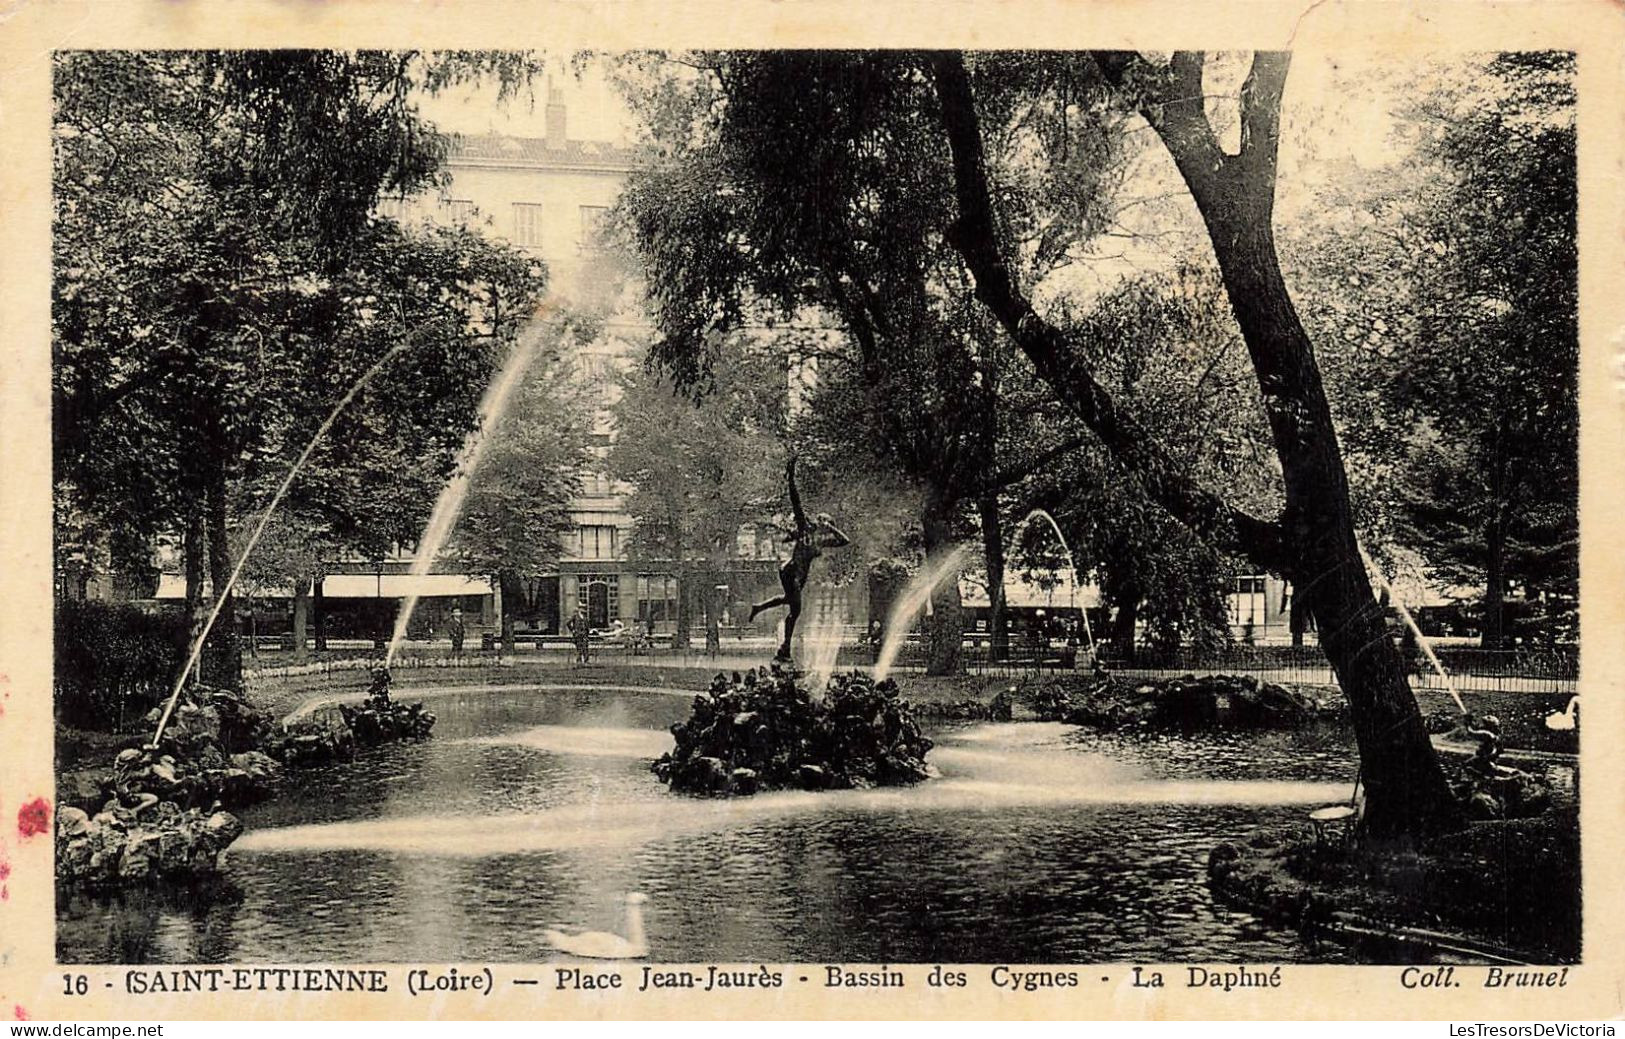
(753, 542)
(600, 375)
(596, 484)
(592, 225)
(527, 224)
(459, 210)
(392, 208)
(596, 368)
(657, 597)
(597, 541)
(606, 589)
(1247, 601)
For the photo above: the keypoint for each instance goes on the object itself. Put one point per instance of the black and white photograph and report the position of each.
(629, 507)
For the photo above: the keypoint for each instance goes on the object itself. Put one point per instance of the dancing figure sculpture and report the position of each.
(807, 540)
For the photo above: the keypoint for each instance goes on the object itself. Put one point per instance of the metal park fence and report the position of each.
(1536, 669)
(1553, 670)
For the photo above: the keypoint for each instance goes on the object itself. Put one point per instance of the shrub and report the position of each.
(114, 662)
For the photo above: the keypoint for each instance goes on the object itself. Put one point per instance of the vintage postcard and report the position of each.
(811, 510)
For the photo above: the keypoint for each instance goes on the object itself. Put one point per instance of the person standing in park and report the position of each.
(581, 634)
(457, 630)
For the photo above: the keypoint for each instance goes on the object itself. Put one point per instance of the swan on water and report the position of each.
(601, 945)
(1565, 720)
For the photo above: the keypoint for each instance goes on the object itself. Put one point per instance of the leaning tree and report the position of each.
(933, 120)
(1312, 541)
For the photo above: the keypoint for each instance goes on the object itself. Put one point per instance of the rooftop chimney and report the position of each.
(556, 135)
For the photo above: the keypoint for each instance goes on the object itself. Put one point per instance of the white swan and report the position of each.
(1567, 719)
(601, 945)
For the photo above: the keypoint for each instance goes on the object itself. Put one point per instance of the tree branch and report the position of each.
(1261, 114)
(1016, 473)
(1057, 358)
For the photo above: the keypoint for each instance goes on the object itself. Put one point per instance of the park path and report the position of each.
(745, 654)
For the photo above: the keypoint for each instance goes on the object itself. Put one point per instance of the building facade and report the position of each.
(550, 196)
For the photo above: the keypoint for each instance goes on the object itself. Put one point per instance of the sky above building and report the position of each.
(594, 110)
(1345, 113)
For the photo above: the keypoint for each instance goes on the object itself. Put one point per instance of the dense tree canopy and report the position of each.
(1444, 292)
(889, 189)
(221, 278)
(702, 470)
(732, 225)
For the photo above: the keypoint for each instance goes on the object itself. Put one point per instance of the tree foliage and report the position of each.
(221, 277)
(1446, 293)
(845, 229)
(702, 470)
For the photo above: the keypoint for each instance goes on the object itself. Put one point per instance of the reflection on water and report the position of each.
(536, 809)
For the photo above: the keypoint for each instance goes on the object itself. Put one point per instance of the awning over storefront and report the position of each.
(1022, 593)
(397, 586)
(173, 586)
(359, 586)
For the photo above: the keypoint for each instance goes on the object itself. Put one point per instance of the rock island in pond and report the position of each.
(764, 731)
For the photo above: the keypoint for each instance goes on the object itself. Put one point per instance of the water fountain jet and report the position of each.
(1410, 622)
(194, 657)
(915, 596)
(1071, 562)
(449, 504)
(823, 641)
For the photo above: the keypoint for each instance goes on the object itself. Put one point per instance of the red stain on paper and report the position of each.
(18, 1012)
(34, 818)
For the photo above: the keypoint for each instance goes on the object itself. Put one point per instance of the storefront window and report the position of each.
(657, 597)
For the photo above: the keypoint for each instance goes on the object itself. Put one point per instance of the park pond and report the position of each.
(533, 808)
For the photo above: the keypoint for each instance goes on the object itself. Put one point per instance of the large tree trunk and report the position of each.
(1406, 792)
(1126, 622)
(944, 626)
(224, 663)
(993, 549)
(714, 582)
(194, 551)
(1314, 544)
(301, 616)
(1298, 618)
(711, 614)
(508, 580)
(1494, 635)
(318, 605)
(685, 592)
(194, 546)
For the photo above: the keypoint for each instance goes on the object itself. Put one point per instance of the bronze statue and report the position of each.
(808, 539)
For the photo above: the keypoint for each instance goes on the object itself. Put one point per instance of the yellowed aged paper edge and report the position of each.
(29, 977)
